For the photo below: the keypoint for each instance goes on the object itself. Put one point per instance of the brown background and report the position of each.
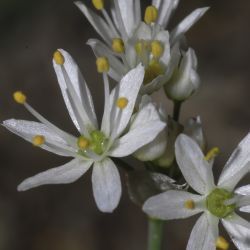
(65, 217)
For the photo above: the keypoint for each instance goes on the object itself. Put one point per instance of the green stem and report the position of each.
(155, 232)
(177, 110)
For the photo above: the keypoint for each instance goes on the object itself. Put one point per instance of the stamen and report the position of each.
(98, 4)
(212, 153)
(19, 97)
(122, 102)
(118, 45)
(102, 64)
(221, 243)
(189, 204)
(157, 49)
(151, 14)
(38, 140)
(82, 142)
(59, 58)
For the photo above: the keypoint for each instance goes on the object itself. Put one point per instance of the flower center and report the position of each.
(216, 203)
(96, 143)
(153, 70)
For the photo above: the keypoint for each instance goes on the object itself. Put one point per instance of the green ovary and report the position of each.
(98, 142)
(215, 203)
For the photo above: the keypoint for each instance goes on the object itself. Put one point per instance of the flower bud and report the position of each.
(185, 80)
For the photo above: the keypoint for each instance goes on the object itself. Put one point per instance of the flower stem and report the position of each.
(177, 110)
(155, 232)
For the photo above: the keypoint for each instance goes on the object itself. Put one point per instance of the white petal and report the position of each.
(28, 129)
(75, 92)
(98, 23)
(165, 10)
(194, 167)
(106, 185)
(130, 14)
(128, 87)
(67, 173)
(117, 69)
(154, 149)
(244, 202)
(239, 231)
(143, 32)
(237, 166)
(170, 205)
(145, 127)
(187, 23)
(202, 235)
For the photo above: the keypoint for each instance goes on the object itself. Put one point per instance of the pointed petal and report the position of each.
(239, 231)
(27, 130)
(128, 87)
(202, 235)
(165, 10)
(171, 205)
(117, 69)
(98, 23)
(75, 92)
(187, 23)
(194, 167)
(130, 13)
(67, 173)
(106, 185)
(145, 127)
(237, 166)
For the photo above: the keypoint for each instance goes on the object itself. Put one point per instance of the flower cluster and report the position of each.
(176, 180)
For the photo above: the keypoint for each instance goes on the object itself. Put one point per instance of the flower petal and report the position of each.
(165, 10)
(130, 13)
(67, 173)
(28, 129)
(171, 205)
(237, 166)
(98, 23)
(75, 92)
(106, 185)
(239, 231)
(203, 236)
(195, 169)
(128, 88)
(243, 201)
(187, 23)
(145, 127)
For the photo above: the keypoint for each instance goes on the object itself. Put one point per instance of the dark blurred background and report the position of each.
(65, 217)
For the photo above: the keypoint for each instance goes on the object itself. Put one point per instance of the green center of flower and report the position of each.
(216, 203)
(153, 70)
(96, 143)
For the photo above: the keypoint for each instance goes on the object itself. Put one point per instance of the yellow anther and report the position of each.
(19, 97)
(189, 204)
(102, 64)
(151, 14)
(157, 49)
(118, 45)
(139, 48)
(38, 140)
(122, 102)
(82, 142)
(58, 57)
(98, 4)
(212, 153)
(221, 243)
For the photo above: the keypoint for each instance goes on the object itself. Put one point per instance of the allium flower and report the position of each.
(128, 40)
(218, 203)
(94, 146)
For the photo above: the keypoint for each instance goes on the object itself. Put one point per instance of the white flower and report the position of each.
(185, 81)
(128, 40)
(216, 202)
(95, 145)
